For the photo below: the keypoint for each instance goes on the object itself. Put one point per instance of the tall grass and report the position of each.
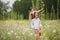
(21, 30)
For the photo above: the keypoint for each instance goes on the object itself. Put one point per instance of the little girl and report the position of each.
(36, 23)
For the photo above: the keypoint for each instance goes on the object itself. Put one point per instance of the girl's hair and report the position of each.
(33, 15)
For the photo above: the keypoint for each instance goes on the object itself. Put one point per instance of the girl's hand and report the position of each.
(40, 10)
(32, 12)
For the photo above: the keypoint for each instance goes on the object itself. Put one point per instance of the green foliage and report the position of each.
(42, 16)
(23, 7)
(1, 4)
(20, 9)
(3, 10)
(51, 30)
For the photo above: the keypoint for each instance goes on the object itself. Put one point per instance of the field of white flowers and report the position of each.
(21, 30)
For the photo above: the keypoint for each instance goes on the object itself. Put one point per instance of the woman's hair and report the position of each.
(33, 15)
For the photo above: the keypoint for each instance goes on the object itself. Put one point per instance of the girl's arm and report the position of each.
(32, 24)
(29, 15)
(39, 10)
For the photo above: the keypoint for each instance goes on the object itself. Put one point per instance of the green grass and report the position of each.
(21, 30)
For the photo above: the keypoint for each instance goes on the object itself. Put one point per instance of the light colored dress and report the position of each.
(36, 23)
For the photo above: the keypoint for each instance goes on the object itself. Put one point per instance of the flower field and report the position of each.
(21, 30)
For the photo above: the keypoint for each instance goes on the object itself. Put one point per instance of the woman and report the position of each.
(36, 23)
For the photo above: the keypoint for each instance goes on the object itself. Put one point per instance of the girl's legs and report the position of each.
(37, 34)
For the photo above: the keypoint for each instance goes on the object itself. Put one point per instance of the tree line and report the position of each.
(20, 9)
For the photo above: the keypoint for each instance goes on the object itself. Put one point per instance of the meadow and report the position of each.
(21, 30)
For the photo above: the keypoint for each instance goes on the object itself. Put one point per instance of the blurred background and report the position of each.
(14, 19)
(19, 9)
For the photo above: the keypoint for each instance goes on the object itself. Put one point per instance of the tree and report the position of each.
(3, 10)
(57, 9)
(22, 8)
(1, 5)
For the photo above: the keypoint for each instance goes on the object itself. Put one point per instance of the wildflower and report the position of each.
(15, 33)
(9, 33)
(23, 33)
(54, 31)
(17, 36)
(12, 31)
(26, 29)
(31, 34)
(48, 25)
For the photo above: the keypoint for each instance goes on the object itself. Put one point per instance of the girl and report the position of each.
(36, 23)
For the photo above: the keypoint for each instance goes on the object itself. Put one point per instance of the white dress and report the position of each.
(36, 23)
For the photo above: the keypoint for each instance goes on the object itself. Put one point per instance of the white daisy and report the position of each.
(54, 31)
